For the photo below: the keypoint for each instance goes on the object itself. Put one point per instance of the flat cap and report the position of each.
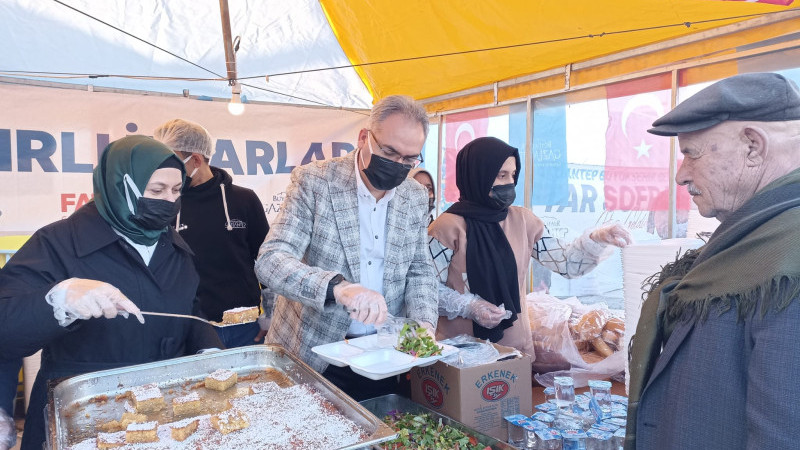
(760, 97)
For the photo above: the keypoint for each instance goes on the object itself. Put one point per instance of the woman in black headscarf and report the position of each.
(482, 248)
(110, 258)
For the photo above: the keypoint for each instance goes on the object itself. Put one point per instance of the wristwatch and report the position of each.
(329, 297)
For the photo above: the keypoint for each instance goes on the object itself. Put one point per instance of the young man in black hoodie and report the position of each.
(224, 224)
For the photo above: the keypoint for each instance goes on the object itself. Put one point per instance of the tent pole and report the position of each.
(227, 41)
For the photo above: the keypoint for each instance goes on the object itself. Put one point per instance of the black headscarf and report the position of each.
(491, 266)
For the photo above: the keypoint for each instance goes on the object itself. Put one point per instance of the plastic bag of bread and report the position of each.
(568, 335)
(552, 342)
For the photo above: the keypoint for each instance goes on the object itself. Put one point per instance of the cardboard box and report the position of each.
(479, 397)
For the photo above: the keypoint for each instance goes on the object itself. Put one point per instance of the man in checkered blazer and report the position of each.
(350, 242)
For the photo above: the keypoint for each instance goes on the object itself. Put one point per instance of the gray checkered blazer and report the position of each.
(316, 236)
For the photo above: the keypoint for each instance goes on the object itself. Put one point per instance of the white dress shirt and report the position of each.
(145, 251)
(372, 227)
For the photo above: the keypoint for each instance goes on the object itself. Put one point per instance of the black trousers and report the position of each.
(362, 388)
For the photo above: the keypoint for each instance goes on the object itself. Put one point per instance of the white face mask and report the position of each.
(187, 160)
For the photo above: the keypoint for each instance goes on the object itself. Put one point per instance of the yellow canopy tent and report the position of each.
(427, 49)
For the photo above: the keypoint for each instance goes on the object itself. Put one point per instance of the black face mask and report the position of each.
(502, 196)
(385, 174)
(155, 214)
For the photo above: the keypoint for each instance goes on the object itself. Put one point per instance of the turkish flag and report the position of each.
(637, 162)
(460, 129)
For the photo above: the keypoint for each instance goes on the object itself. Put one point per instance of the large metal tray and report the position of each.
(380, 406)
(66, 427)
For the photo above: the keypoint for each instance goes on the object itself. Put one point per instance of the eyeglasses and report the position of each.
(394, 155)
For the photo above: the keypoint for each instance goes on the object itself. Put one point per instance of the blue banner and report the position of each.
(550, 172)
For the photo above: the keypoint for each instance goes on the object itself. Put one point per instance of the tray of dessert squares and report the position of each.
(247, 397)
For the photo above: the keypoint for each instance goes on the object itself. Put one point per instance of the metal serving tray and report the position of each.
(380, 406)
(72, 417)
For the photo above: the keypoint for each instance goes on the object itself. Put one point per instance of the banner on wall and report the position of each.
(460, 129)
(637, 162)
(50, 140)
(550, 172)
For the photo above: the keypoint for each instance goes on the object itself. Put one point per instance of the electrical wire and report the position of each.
(44, 74)
(219, 77)
(72, 75)
(506, 47)
(137, 38)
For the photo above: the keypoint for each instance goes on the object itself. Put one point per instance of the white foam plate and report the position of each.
(367, 359)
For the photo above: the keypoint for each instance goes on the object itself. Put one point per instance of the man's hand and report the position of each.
(91, 298)
(613, 234)
(365, 305)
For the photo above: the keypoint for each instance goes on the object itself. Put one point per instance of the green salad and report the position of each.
(421, 431)
(414, 340)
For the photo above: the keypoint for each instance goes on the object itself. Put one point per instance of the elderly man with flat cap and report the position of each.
(715, 355)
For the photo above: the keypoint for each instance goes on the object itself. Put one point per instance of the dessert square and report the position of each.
(141, 432)
(129, 418)
(110, 427)
(120, 425)
(147, 398)
(244, 314)
(230, 420)
(221, 379)
(183, 429)
(110, 440)
(190, 404)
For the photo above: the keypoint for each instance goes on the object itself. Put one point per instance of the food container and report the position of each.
(367, 357)
(381, 406)
(74, 410)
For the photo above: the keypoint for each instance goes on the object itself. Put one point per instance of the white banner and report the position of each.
(50, 140)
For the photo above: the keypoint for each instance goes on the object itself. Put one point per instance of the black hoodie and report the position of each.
(225, 226)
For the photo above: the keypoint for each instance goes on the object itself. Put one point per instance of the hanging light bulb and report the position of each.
(236, 107)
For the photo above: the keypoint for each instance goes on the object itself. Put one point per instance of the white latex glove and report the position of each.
(8, 432)
(612, 234)
(79, 298)
(364, 305)
(486, 314)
